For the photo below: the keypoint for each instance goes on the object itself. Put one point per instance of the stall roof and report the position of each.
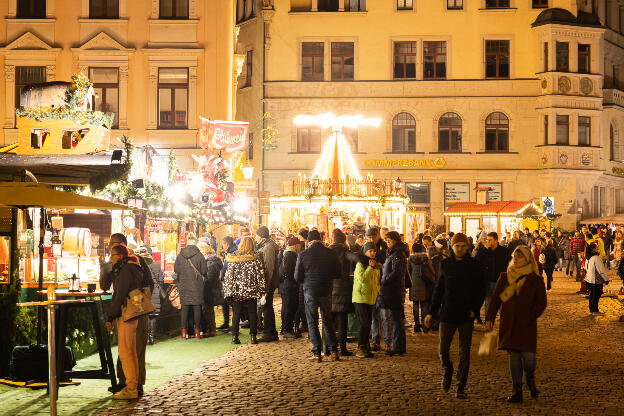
(493, 208)
(27, 194)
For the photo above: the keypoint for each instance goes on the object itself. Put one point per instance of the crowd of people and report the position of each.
(363, 273)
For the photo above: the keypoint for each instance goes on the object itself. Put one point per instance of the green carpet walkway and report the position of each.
(165, 360)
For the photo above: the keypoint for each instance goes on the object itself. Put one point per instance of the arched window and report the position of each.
(404, 133)
(497, 133)
(450, 133)
(616, 147)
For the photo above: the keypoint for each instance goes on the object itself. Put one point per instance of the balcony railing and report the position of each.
(613, 96)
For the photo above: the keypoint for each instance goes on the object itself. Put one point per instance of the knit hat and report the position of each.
(372, 231)
(368, 246)
(262, 232)
(293, 241)
(314, 235)
(459, 238)
(304, 233)
(338, 237)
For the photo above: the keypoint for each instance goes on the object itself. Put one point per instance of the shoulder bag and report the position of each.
(174, 296)
(138, 303)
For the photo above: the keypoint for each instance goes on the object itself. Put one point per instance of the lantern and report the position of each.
(74, 283)
(57, 246)
(396, 184)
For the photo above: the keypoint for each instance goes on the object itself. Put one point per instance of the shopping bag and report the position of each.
(488, 344)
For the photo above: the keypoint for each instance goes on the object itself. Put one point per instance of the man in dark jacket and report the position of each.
(457, 299)
(494, 260)
(268, 250)
(316, 267)
(228, 248)
(289, 288)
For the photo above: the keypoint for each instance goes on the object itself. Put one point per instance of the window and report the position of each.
(434, 60)
(172, 98)
(104, 9)
(355, 5)
(308, 140)
(454, 4)
(540, 4)
(312, 61)
(497, 59)
(244, 10)
(584, 59)
(418, 193)
(71, 138)
(106, 87)
(342, 62)
(248, 68)
(405, 5)
(174, 9)
(584, 131)
(616, 78)
(546, 129)
(250, 154)
(563, 57)
(27, 75)
(351, 135)
(450, 133)
(328, 5)
(496, 4)
(546, 57)
(563, 130)
(38, 138)
(31, 9)
(497, 133)
(617, 150)
(403, 133)
(404, 60)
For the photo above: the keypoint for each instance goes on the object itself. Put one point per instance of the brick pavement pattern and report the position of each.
(579, 371)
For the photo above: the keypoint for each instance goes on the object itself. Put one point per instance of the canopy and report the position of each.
(612, 219)
(28, 194)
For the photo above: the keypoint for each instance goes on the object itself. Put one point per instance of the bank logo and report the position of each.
(439, 162)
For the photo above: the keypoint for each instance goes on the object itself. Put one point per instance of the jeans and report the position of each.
(576, 262)
(519, 361)
(385, 325)
(342, 324)
(290, 303)
(312, 305)
(489, 289)
(595, 292)
(398, 330)
(421, 306)
(142, 333)
(250, 306)
(268, 314)
(549, 278)
(365, 314)
(186, 309)
(447, 331)
(225, 307)
(126, 343)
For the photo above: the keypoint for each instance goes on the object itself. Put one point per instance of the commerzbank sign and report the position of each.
(437, 163)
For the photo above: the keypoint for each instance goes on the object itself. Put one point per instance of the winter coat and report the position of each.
(618, 245)
(158, 277)
(518, 320)
(359, 228)
(511, 246)
(342, 287)
(107, 276)
(212, 286)
(437, 258)
(596, 271)
(460, 290)
(190, 284)
(563, 248)
(366, 283)
(494, 262)
(287, 270)
(126, 277)
(245, 277)
(551, 257)
(268, 250)
(317, 267)
(393, 279)
(422, 277)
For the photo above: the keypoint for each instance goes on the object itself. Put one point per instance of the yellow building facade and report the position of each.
(522, 96)
(158, 65)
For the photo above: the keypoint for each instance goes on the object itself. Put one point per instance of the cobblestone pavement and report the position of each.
(580, 371)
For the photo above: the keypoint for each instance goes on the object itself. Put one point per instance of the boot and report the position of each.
(197, 333)
(532, 388)
(460, 394)
(150, 338)
(446, 381)
(235, 340)
(225, 326)
(516, 397)
(417, 328)
(254, 339)
(345, 352)
(184, 336)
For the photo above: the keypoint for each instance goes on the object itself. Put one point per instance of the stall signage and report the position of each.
(436, 163)
(456, 192)
(548, 205)
(230, 136)
(496, 190)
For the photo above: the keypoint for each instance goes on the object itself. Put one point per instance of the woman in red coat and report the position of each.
(521, 296)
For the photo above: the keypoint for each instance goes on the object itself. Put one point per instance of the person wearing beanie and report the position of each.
(456, 302)
(316, 269)
(366, 288)
(268, 251)
(381, 317)
(289, 288)
(342, 288)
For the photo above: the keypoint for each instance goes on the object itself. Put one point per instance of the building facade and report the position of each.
(522, 96)
(156, 64)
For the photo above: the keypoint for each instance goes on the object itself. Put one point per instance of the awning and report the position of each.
(28, 194)
(612, 219)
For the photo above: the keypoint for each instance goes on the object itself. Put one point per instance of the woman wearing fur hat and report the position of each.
(521, 296)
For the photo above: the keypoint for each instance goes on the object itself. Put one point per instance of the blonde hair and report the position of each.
(247, 245)
(205, 248)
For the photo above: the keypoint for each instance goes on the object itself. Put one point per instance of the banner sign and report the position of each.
(230, 136)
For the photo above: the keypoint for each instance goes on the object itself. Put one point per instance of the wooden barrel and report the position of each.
(76, 241)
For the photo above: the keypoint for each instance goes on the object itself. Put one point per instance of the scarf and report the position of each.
(516, 275)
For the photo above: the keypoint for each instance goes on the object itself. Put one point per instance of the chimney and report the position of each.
(483, 195)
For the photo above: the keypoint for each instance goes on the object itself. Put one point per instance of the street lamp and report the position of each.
(397, 185)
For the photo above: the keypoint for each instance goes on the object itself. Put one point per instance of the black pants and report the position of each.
(250, 306)
(365, 314)
(226, 313)
(300, 315)
(447, 330)
(549, 277)
(197, 312)
(290, 304)
(595, 292)
(341, 320)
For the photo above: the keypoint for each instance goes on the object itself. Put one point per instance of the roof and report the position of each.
(565, 17)
(492, 208)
